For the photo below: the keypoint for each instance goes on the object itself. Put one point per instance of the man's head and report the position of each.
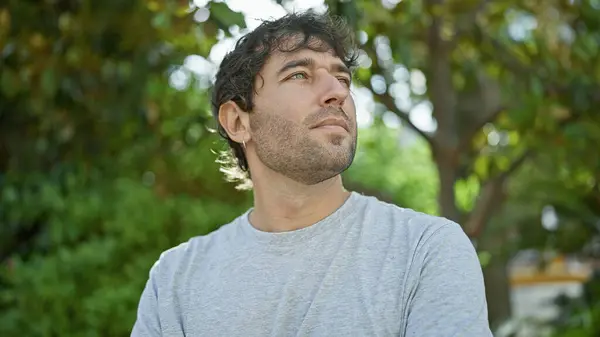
(282, 99)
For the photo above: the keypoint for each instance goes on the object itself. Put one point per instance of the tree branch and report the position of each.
(439, 77)
(390, 104)
(516, 164)
(491, 194)
(467, 135)
(463, 26)
(501, 53)
(387, 100)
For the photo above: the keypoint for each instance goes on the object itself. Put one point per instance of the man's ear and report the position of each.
(235, 121)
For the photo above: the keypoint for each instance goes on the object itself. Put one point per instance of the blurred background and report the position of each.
(484, 112)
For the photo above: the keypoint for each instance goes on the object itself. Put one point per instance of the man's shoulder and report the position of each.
(416, 233)
(185, 253)
(401, 219)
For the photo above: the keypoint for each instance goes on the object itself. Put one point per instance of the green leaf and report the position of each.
(10, 83)
(162, 20)
(48, 82)
(484, 258)
(481, 167)
(363, 74)
(503, 163)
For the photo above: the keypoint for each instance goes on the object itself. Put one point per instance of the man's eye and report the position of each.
(298, 76)
(344, 80)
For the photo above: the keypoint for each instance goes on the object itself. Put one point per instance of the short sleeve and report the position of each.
(446, 294)
(147, 321)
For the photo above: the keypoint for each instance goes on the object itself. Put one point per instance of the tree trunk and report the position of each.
(496, 273)
(445, 156)
(496, 276)
(497, 291)
(446, 197)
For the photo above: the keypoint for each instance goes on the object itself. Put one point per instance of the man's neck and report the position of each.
(287, 205)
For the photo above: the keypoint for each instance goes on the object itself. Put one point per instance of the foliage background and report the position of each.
(105, 162)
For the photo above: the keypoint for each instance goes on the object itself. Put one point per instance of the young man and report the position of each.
(310, 258)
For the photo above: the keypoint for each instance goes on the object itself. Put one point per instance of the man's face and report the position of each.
(304, 119)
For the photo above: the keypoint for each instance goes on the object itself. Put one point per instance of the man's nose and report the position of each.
(334, 91)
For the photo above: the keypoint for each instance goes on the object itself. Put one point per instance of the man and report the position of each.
(310, 258)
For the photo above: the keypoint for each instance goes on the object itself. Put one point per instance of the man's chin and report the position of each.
(338, 140)
(316, 175)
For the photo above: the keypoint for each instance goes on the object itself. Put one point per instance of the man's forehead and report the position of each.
(296, 46)
(305, 56)
(326, 55)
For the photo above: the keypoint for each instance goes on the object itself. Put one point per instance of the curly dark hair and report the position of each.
(235, 79)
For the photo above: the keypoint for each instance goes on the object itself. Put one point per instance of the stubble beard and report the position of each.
(288, 148)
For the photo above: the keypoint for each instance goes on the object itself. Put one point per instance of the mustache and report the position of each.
(326, 113)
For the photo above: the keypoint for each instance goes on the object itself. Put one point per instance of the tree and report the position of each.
(505, 80)
(554, 208)
(375, 170)
(102, 164)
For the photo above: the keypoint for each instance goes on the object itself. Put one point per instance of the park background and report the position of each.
(484, 112)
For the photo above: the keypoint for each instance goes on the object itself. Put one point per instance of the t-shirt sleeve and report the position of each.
(147, 322)
(446, 295)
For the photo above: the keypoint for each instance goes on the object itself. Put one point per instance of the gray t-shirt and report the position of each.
(369, 269)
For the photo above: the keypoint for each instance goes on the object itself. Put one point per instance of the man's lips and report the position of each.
(332, 124)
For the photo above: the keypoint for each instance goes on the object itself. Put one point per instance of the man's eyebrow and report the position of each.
(303, 62)
(342, 68)
(309, 62)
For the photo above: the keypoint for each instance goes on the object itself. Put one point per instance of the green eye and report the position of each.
(298, 76)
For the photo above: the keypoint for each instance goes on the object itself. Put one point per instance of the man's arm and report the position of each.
(446, 297)
(147, 322)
